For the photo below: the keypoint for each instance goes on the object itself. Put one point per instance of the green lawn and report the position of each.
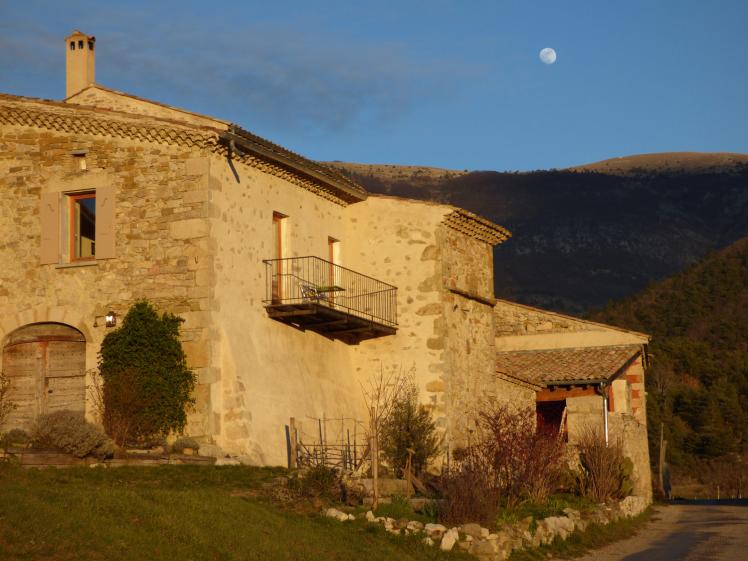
(175, 513)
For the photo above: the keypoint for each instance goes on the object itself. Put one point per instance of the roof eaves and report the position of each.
(476, 226)
(347, 189)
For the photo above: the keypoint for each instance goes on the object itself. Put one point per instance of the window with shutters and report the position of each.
(77, 227)
(82, 226)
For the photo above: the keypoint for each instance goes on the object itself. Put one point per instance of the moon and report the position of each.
(547, 56)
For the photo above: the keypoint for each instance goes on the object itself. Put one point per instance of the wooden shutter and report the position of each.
(49, 214)
(105, 223)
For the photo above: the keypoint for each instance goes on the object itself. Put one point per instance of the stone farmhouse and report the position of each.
(296, 285)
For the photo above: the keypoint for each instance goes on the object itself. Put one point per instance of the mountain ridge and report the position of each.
(583, 237)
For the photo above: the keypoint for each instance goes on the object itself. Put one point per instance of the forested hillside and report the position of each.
(595, 233)
(698, 382)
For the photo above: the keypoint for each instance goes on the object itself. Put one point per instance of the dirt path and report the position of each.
(684, 533)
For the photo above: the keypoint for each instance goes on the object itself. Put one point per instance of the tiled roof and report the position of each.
(260, 153)
(476, 226)
(565, 366)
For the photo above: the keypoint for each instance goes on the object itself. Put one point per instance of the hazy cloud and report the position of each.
(283, 75)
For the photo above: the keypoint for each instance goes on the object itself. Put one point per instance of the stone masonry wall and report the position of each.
(468, 336)
(161, 233)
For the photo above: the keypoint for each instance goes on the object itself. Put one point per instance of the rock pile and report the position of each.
(498, 546)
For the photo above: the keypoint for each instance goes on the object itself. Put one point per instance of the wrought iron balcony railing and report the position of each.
(316, 294)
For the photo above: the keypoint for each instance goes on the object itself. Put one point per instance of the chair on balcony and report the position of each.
(309, 292)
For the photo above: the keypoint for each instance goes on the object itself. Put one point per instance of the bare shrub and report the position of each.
(69, 432)
(527, 463)
(469, 491)
(6, 405)
(602, 467)
(120, 403)
(382, 392)
(511, 462)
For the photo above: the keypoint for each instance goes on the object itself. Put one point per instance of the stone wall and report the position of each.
(265, 371)
(161, 232)
(104, 98)
(520, 327)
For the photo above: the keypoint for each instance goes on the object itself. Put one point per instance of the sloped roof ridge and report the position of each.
(476, 226)
(146, 100)
(328, 172)
(626, 346)
(277, 149)
(574, 318)
(57, 115)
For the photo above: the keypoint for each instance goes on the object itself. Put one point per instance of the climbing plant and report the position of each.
(147, 387)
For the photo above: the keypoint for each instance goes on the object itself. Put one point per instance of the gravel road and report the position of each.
(685, 532)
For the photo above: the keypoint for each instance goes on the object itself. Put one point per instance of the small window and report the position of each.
(90, 45)
(82, 226)
(80, 44)
(72, 45)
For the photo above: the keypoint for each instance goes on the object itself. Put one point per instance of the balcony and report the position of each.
(312, 294)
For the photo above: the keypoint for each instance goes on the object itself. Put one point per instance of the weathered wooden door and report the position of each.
(46, 365)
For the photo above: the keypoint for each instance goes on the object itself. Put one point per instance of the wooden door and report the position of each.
(46, 366)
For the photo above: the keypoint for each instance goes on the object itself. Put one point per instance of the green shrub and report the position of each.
(69, 432)
(430, 510)
(14, 436)
(318, 481)
(147, 385)
(409, 427)
(185, 442)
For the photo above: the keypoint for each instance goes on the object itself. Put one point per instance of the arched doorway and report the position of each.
(46, 366)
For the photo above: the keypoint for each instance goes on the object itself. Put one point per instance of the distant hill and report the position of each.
(588, 235)
(668, 162)
(698, 382)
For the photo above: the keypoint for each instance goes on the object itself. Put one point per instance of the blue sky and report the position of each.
(440, 82)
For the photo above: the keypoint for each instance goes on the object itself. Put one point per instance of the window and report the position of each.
(279, 251)
(82, 221)
(77, 226)
(72, 45)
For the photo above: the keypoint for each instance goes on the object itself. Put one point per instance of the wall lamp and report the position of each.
(110, 320)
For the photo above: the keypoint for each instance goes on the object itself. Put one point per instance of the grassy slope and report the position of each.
(174, 513)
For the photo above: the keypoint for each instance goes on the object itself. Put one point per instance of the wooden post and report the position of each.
(374, 456)
(408, 473)
(321, 441)
(662, 461)
(294, 444)
(348, 450)
(355, 452)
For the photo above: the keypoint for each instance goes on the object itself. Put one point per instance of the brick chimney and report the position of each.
(80, 62)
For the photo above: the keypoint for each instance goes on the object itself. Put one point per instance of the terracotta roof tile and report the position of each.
(476, 226)
(564, 366)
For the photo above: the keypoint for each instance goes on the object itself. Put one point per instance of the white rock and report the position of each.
(428, 541)
(435, 530)
(484, 533)
(449, 539)
(351, 517)
(338, 515)
(370, 516)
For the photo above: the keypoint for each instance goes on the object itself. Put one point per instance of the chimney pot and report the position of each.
(80, 62)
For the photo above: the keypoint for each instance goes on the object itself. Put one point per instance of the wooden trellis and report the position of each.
(336, 443)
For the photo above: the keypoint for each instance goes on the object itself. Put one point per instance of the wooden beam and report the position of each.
(292, 313)
(326, 323)
(559, 394)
